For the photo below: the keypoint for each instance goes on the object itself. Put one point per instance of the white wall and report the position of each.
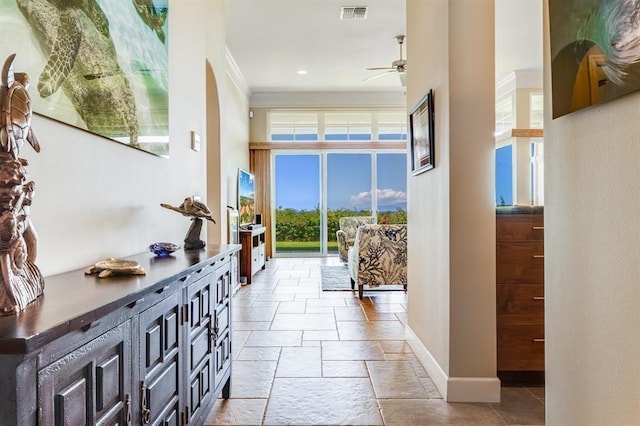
(96, 198)
(592, 246)
(451, 210)
(518, 36)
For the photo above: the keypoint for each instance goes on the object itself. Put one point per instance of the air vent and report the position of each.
(353, 12)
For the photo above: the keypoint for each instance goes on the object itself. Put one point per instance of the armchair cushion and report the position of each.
(379, 256)
(347, 232)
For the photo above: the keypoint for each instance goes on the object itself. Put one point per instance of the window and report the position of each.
(536, 111)
(293, 126)
(504, 176)
(337, 125)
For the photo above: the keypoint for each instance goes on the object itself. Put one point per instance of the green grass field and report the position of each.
(303, 246)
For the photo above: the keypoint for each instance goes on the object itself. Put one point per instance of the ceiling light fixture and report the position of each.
(353, 12)
(302, 72)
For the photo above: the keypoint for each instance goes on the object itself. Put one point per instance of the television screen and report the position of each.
(246, 198)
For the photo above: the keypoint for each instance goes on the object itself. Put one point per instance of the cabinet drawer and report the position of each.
(520, 262)
(520, 304)
(520, 347)
(519, 227)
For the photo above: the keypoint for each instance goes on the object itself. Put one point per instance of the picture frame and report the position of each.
(109, 86)
(421, 131)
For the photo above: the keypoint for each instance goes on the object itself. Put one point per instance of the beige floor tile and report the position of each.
(326, 302)
(349, 313)
(292, 307)
(274, 338)
(519, 407)
(396, 347)
(252, 379)
(328, 401)
(256, 353)
(405, 412)
(237, 412)
(320, 335)
(351, 351)
(303, 322)
(345, 373)
(361, 330)
(344, 369)
(251, 325)
(300, 362)
(319, 310)
(395, 379)
(254, 314)
(431, 388)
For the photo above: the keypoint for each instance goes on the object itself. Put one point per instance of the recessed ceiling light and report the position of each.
(302, 72)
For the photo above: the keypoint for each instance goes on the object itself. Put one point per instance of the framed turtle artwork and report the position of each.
(85, 70)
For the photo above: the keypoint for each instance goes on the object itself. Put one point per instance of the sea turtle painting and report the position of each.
(75, 38)
(153, 17)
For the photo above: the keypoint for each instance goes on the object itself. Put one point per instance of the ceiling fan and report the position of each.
(398, 66)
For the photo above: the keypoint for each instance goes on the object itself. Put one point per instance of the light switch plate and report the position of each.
(195, 141)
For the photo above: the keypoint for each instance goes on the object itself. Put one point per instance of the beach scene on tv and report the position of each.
(246, 198)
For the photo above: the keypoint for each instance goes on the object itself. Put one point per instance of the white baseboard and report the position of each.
(454, 389)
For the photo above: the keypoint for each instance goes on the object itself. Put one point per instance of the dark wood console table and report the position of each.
(252, 257)
(122, 350)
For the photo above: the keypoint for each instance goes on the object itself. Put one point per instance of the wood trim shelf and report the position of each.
(527, 133)
(333, 146)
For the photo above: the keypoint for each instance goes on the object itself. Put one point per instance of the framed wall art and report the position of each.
(99, 65)
(421, 131)
(595, 52)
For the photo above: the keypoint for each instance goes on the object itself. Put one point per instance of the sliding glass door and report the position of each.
(348, 188)
(297, 204)
(312, 191)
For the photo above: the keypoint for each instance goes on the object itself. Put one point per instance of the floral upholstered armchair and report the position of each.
(347, 232)
(379, 256)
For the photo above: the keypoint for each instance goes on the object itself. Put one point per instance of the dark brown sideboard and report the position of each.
(122, 350)
(252, 257)
(520, 289)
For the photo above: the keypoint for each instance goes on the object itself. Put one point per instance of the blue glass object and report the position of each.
(163, 249)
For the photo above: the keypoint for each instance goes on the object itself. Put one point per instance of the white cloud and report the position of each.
(385, 197)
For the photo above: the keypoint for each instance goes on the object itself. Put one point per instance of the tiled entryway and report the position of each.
(304, 356)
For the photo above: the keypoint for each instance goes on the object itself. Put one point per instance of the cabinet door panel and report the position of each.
(72, 403)
(107, 382)
(223, 357)
(160, 334)
(90, 385)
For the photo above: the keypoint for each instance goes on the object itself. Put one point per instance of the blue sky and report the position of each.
(349, 181)
(298, 180)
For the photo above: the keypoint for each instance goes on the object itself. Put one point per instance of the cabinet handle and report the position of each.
(538, 228)
(127, 409)
(537, 298)
(145, 413)
(539, 340)
(538, 256)
(186, 277)
(134, 303)
(161, 290)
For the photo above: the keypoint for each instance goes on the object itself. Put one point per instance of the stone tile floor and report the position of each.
(304, 356)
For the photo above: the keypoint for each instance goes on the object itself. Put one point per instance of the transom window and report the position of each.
(337, 125)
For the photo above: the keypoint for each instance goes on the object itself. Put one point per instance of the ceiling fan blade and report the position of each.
(380, 68)
(378, 75)
(403, 78)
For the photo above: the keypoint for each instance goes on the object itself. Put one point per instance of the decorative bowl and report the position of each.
(163, 249)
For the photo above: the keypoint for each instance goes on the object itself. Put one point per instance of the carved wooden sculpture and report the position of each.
(20, 280)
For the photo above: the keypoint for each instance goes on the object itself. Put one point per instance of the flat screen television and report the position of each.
(246, 198)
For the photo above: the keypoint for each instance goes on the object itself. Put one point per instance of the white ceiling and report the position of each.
(271, 40)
